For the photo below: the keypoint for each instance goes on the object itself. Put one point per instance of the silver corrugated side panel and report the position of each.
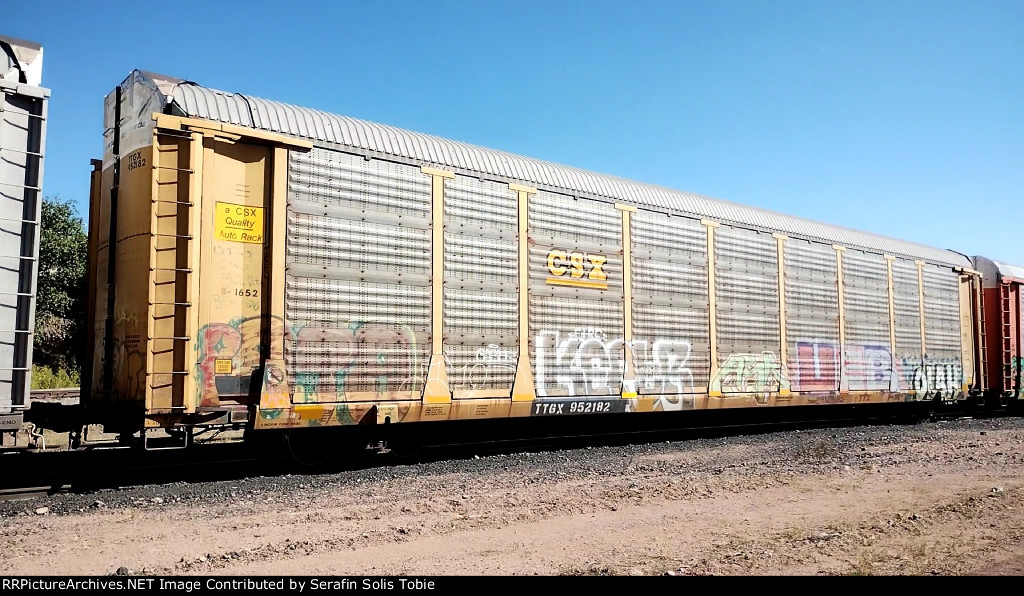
(868, 359)
(747, 303)
(357, 302)
(481, 312)
(670, 344)
(576, 332)
(22, 146)
(812, 315)
(906, 298)
(944, 365)
(203, 102)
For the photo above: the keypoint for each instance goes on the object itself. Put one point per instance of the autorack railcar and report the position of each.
(23, 112)
(261, 264)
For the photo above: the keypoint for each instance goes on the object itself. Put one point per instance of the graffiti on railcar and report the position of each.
(489, 365)
(907, 367)
(580, 362)
(939, 378)
(759, 374)
(127, 356)
(331, 363)
(864, 367)
(673, 403)
(1013, 370)
(586, 362)
(129, 364)
(328, 363)
(227, 356)
(870, 367)
(815, 366)
(317, 415)
(663, 368)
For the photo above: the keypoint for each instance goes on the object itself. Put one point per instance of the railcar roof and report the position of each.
(993, 270)
(197, 101)
(1008, 270)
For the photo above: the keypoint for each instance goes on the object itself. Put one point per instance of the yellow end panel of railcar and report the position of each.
(131, 245)
(209, 294)
(190, 311)
(967, 347)
(236, 186)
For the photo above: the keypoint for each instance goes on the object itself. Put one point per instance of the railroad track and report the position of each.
(31, 492)
(65, 395)
(88, 470)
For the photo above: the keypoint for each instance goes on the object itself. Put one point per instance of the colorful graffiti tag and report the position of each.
(864, 367)
(228, 353)
(333, 362)
(586, 362)
(872, 367)
(758, 374)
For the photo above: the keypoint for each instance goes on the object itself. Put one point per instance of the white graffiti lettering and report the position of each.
(586, 362)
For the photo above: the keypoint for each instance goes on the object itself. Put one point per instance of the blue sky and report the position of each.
(903, 118)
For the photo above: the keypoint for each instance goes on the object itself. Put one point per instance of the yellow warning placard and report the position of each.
(222, 366)
(238, 223)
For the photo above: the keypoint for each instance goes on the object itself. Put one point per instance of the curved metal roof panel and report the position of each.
(201, 102)
(1008, 270)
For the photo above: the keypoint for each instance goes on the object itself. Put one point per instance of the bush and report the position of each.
(44, 377)
(61, 296)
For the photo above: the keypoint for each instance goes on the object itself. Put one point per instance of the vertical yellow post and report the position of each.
(195, 210)
(522, 388)
(203, 211)
(979, 354)
(276, 392)
(892, 314)
(780, 240)
(437, 391)
(712, 312)
(920, 304)
(629, 370)
(844, 386)
(966, 333)
(892, 304)
(920, 307)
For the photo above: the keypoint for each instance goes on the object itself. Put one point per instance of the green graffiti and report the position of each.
(309, 381)
(759, 374)
(343, 415)
(339, 380)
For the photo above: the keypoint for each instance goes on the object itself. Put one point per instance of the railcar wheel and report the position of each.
(308, 448)
(405, 443)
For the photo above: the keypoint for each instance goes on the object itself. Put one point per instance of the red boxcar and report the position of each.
(1001, 326)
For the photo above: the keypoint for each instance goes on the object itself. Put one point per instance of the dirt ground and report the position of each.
(936, 498)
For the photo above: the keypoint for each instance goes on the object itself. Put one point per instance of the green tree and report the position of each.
(61, 290)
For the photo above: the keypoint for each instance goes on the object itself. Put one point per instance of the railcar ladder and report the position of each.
(1006, 328)
(982, 371)
(29, 192)
(171, 275)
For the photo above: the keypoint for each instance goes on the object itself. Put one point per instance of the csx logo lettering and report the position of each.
(577, 269)
(246, 211)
